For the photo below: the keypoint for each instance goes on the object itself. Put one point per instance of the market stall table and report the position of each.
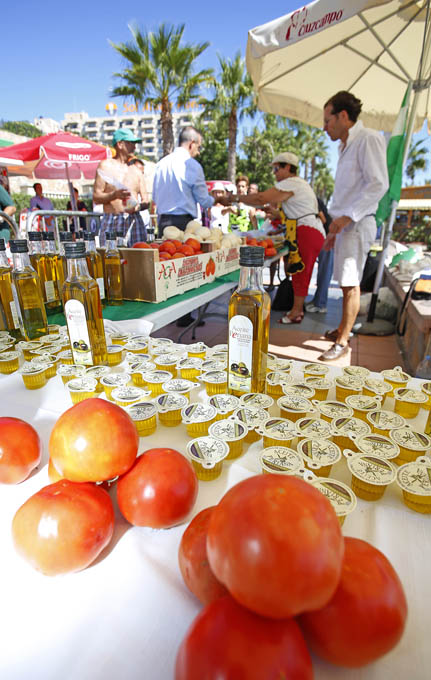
(125, 616)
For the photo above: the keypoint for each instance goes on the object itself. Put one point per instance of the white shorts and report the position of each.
(351, 249)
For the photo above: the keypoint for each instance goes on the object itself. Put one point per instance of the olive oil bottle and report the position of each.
(249, 315)
(26, 292)
(37, 257)
(95, 263)
(52, 291)
(113, 275)
(7, 305)
(83, 310)
(61, 264)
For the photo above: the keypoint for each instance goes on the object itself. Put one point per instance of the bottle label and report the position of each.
(101, 284)
(78, 332)
(15, 303)
(50, 291)
(240, 353)
(14, 313)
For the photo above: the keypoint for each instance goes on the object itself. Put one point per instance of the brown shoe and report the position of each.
(334, 352)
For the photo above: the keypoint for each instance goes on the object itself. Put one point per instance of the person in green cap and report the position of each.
(118, 187)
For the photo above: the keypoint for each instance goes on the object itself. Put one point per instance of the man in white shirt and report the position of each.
(360, 182)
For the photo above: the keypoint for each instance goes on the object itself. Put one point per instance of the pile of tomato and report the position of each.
(266, 243)
(172, 249)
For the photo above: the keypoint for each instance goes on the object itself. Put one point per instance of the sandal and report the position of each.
(285, 320)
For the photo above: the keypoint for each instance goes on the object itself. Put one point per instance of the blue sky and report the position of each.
(57, 58)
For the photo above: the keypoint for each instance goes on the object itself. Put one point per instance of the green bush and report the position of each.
(419, 233)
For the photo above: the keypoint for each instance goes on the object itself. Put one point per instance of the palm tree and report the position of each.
(233, 96)
(160, 72)
(416, 159)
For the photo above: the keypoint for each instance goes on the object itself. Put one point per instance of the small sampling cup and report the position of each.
(293, 407)
(321, 386)
(207, 455)
(81, 388)
(344, 428)
(128, 394)
(362, 405)
(136, 347)
(137, 369)
(299, 389)
(167, 362)
(356, 371)
(231, 431)
(341, 496)
(256, 400)
(215, 382)
(396, 377)
(414, 479)
(280, 460)
(143, 414)
(211, 364)
(315, 370)
(157, 343)
(66, 356)
(275, 380)
(374, 387)
(197, 418)
(225, 404)
(97, 372)
(408, 401)
(33, 375)
(9, 362)
(382, 421)
(112, 380)
(50, 361)
(313, 427)
(252, 418)
(154, 381)
(179, 386)
(330, 410)
(346, 385)
(319, 455)
(69, 371)
(189, 368)
(426, 389)
(277, 432)
(376, 445)
(412, 444)
(197, 350)
(370, 475)
(119, 338)
(169, 407)
(27, 347)
(115, 354)
(275, 363)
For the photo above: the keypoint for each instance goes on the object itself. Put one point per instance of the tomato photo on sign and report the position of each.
(63, 527)
(93, 441)
(193, 560)
(367, 614)
(159, 491)
(20, 450)
(275, 543)
(228, 642)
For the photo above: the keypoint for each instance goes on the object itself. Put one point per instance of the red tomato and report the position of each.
(193, 243)
(93, 441)
(165, 256)
(269, 242)
(276, 544)
(228, 642)
(159, 491)
(187, 250)
(156, 246)
(366, 617)
(270, 252)
(20, 450)
(177, 256)
(63, 527)
(53, 473)
(193, 560)
(176, 243)
(251, 241)
(141, 244)
(168, 247)
(262, 243)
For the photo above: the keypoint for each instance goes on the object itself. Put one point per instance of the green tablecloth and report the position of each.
(131, 309)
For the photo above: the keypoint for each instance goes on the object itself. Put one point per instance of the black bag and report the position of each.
(283, 300)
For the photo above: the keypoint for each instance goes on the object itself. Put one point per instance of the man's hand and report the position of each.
(329, 242)
(338, 224)
(122, 194)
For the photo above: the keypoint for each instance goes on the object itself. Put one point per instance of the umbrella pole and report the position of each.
(72, 199)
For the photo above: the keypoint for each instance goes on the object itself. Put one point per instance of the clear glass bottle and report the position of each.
(113, 274)
(26, 292)
(249, 316)
(65, 237)
(7, 306)
(37, 257)
(52, 290)
(121, 239)
(95, 263)
(83, 310)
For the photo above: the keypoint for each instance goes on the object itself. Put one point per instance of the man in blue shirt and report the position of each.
(179, 183)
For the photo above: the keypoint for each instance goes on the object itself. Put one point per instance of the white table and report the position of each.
(125, 616)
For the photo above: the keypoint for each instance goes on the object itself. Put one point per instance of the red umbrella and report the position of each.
(59, 155)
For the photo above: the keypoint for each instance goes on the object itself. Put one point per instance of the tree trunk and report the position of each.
(313, 170)
(231, 152)
(167, 128)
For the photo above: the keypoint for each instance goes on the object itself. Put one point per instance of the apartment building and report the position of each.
(145, 125)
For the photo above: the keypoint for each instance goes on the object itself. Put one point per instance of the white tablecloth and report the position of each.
(125, 616)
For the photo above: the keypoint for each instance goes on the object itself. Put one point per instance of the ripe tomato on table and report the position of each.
(63, 527)
(93, 441)
(159, 491)
(193, 560)
(20, 450)
(366, 617)
(228, 642)
(276, 544)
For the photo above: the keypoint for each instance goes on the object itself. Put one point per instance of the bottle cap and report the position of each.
(65, 236)
(251, 256)
(110, 235)
(76, 249)
(2, 244)
(89, 236)
(34, 236)
(18, 246)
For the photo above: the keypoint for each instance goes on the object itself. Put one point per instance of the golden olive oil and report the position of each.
(113, 274)
(26, 292)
